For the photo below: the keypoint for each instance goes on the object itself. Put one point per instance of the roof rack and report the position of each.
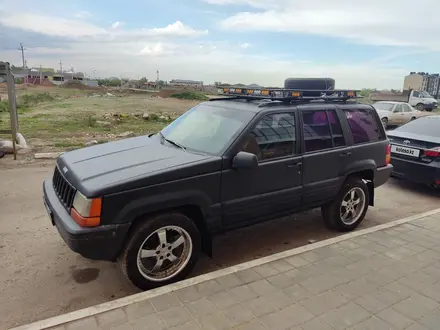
(289, 95)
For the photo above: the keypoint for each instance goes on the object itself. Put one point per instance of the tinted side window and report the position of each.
(363, 125)
(322, 130)
(416, 94)
(273, 137)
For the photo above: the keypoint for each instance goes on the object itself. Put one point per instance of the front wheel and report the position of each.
(348, 209)
(162, 250)
(420, 107)
(384, 122)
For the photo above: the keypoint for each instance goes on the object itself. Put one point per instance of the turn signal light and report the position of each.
(434, 152)
(85, 211)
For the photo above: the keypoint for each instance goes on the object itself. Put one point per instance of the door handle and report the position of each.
(344, 154)
(295, 165)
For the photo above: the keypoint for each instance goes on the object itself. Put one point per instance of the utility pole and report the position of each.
(61, 71)
(157, 79)
(24, 62)
(22, 55)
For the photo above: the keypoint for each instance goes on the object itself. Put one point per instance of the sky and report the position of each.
(361, 44)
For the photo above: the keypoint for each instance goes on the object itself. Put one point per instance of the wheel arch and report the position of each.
(366, 173)
(192, 211)
(193, 204)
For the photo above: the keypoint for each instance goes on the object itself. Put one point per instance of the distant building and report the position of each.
(423, 81)
(192, 83)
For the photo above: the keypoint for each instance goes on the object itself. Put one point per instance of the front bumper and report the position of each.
(415, 171)
(430, 106)
(382, 175)
(98, 243)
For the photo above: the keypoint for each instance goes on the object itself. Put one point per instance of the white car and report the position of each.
(396, 113)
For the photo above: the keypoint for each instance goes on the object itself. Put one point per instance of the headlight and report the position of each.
(85, 211)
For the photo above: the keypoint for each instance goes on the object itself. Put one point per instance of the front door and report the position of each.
(326, 155)
(274, 187)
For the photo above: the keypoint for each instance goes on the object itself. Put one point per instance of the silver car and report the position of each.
(396, 113)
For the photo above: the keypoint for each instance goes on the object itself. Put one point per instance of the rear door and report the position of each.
(398, 116)
(325, 152)
(407, 113)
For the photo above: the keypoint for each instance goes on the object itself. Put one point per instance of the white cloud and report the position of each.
(77, 28)
(117, 24)
(153, 50)
(221, 62)
(133, 53)
(177, 29)
(51, 25)
(391, 22)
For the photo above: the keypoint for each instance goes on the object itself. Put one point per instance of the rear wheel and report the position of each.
(348, 209)
(162, 250)
(384, 122)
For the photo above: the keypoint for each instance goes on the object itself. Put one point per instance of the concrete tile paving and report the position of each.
(333, 287)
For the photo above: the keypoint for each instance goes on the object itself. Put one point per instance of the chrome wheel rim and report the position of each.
(164, 253)
(352, 206)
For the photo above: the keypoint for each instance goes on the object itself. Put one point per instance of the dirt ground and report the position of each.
(41, 277)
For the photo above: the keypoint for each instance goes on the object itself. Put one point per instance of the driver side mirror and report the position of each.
(245, 160)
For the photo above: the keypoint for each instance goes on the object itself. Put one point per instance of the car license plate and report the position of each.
(405, 151)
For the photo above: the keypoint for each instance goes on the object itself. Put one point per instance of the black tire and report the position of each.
(331, 213)
(128, 259)
(420, 107)
(412, 118)
(384, 122)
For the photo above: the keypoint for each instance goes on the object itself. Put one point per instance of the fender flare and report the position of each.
(156, 203)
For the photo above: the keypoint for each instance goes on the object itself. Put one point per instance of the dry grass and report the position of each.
(61, 118)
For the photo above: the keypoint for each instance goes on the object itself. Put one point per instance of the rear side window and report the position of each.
(363, 125)
(322, 130)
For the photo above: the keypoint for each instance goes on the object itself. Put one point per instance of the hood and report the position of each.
(126, 164)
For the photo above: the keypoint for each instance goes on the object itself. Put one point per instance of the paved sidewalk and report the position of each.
(388, 279)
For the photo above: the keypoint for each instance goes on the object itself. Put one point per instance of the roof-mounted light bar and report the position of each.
(290, 94)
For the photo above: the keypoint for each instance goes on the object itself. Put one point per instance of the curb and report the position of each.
(135, 298)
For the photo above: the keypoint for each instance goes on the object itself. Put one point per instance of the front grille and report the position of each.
(63, 189)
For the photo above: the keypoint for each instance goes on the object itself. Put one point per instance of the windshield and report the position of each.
(383, 106)
(425, 94)
(207, 129)
(423, 126)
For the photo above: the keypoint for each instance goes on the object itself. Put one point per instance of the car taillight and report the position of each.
(433, 152)
(388, 155)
